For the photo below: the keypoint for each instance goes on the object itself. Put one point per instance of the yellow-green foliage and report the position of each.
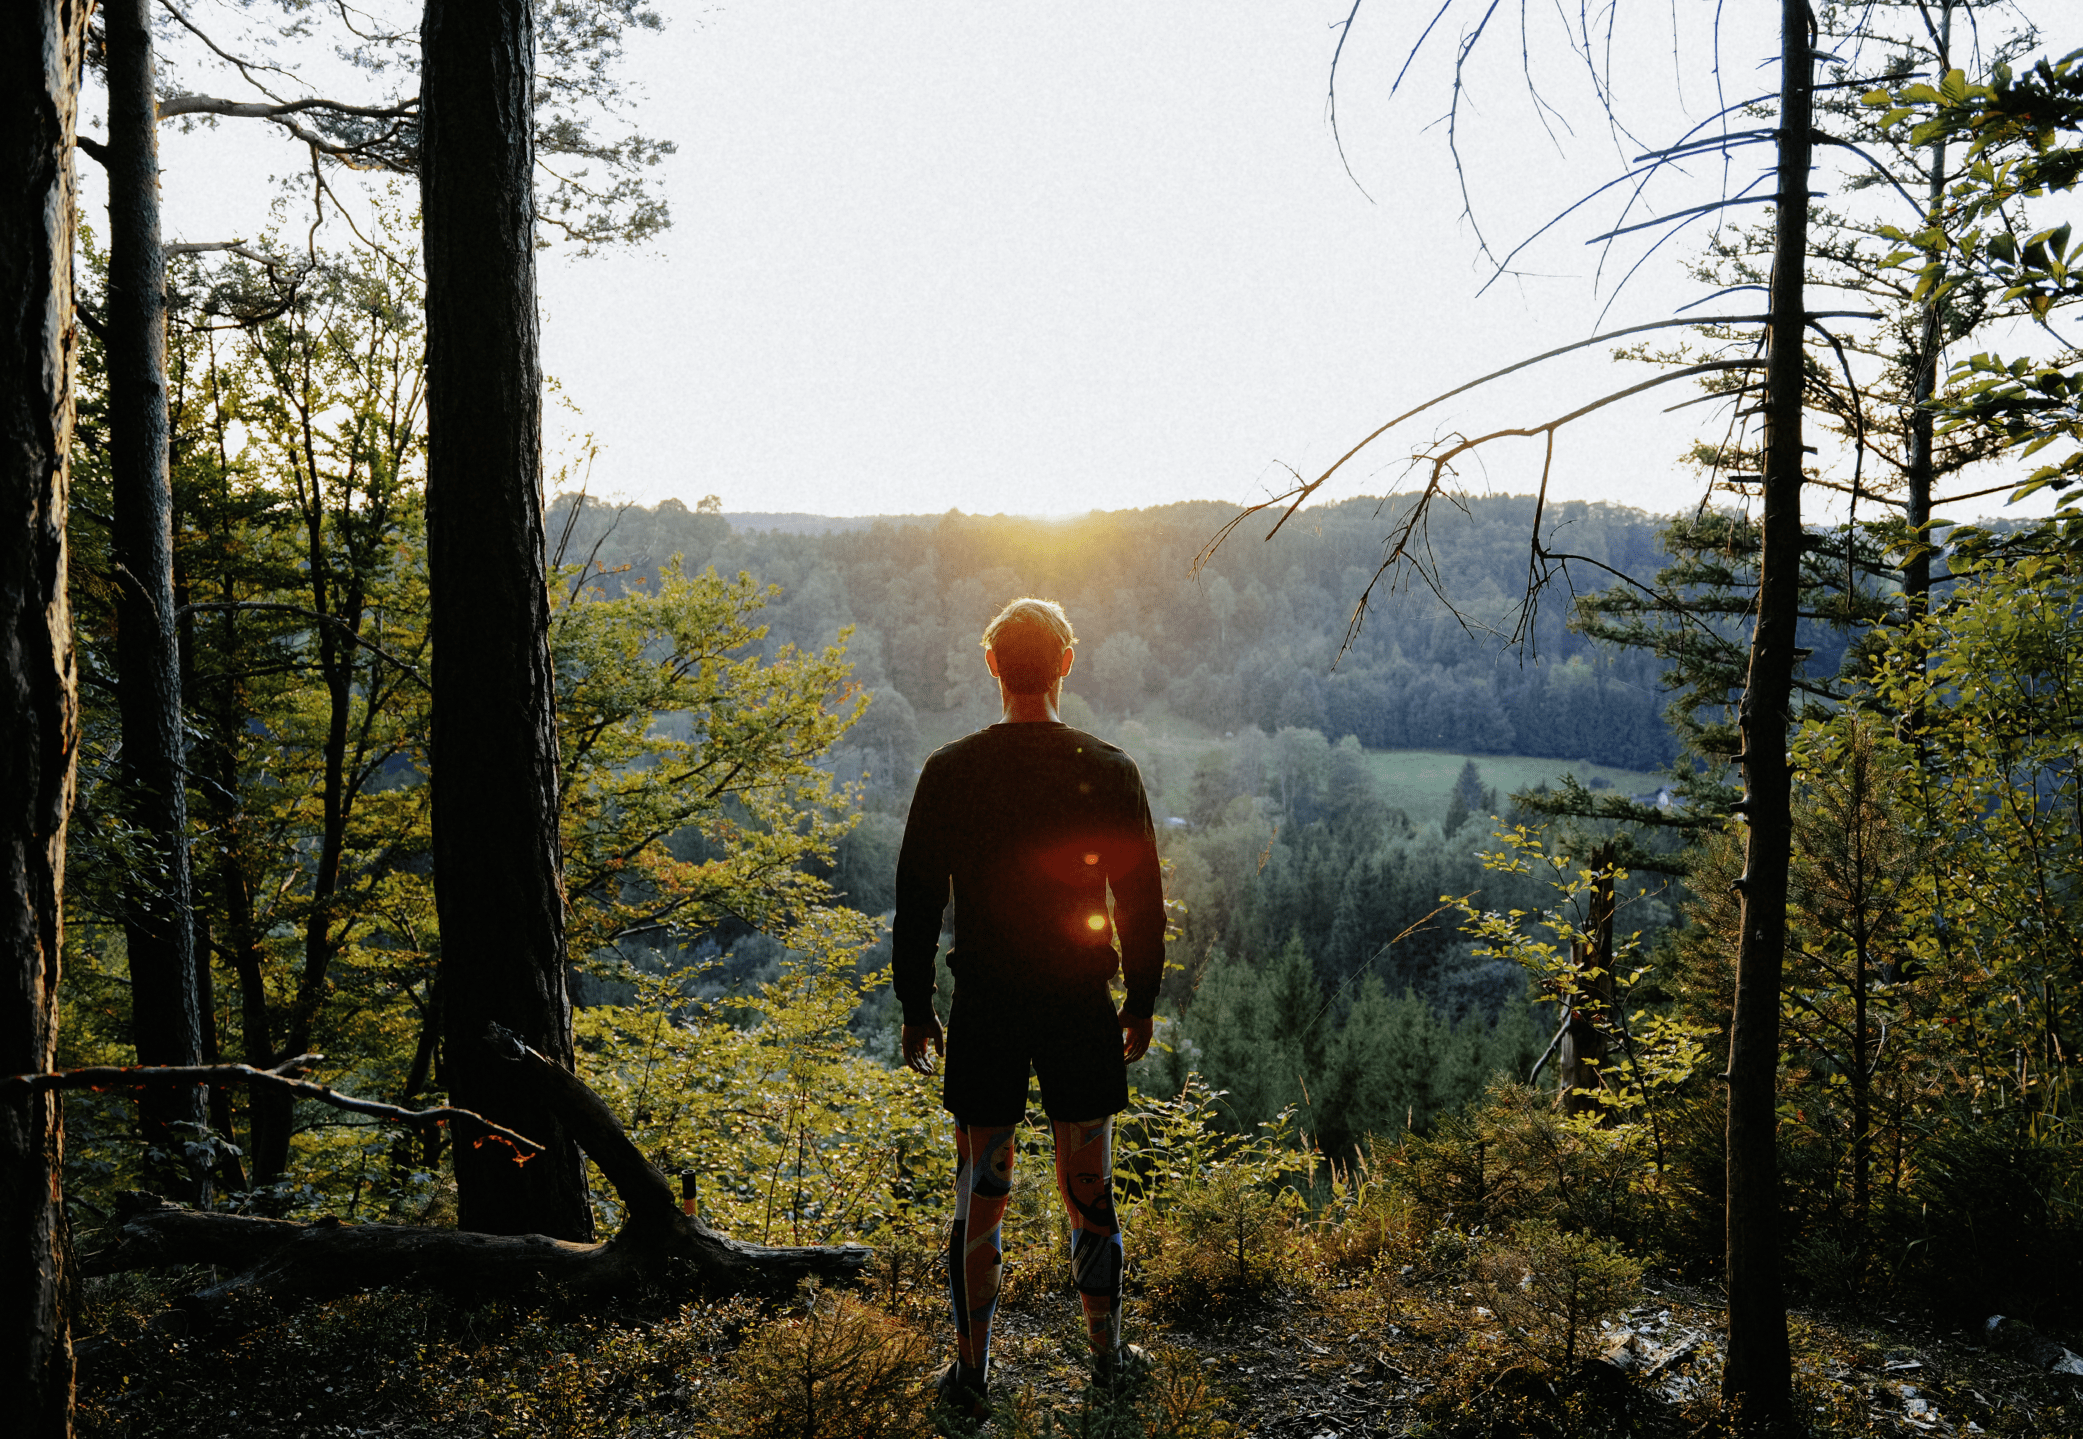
(795, 1136)
(1365, 1218)
(1657, 1052)
(1210, 1215)
(670, 722)
(838, 1369)
(1515, 1157)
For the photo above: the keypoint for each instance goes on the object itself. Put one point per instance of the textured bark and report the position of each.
(166, 1007)
(497, 862)
(40, 46)
(1756, 1381)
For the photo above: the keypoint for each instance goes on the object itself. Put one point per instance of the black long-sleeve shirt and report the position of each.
(1028, 825)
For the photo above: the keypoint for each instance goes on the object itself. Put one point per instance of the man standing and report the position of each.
(1029, 823)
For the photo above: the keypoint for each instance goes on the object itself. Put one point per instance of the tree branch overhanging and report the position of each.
(284, 1076)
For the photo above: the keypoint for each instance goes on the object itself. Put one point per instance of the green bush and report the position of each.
(1515, 1157)
(1173, 1402)
(1218, 1245)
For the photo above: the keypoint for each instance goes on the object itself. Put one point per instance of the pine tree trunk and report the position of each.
(159, 931)
(1916, 574)
(497, 861)
(40, 47)
(1756, 1382)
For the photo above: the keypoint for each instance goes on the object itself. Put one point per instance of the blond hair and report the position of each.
(1029, 637)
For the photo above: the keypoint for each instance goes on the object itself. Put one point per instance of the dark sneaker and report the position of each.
(962, 1400)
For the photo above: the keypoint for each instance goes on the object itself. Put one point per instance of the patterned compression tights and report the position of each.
(983, 1184)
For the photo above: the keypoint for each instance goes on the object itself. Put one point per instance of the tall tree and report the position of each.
(497, 862)
(40, 48)
(1756, 1382)
(1756, 1386)
(159, 929)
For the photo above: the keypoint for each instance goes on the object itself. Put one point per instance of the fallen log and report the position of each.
(658, 1249)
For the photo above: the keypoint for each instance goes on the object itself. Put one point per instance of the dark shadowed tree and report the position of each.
(497, 864)
(158, 928)
(40, 45)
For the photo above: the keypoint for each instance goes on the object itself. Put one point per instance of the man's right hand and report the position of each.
(918, 1040)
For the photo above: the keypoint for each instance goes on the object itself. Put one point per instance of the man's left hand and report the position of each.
(1135, 1035)
(921, 1043)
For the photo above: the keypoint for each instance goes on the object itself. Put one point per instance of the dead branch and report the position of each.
(1293, 499)
(284, 1076)
(177, 105)
(658, 1247)
(229, 247)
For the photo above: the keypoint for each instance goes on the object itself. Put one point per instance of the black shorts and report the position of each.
(1073, 1045)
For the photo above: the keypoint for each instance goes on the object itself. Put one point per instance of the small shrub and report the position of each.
(1515, 1157)
(1548, 1288)
(910, 1274)
(1217, 1245)
(837, 1370)
(407, 1363)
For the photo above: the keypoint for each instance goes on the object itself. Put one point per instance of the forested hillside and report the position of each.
(1251, 639)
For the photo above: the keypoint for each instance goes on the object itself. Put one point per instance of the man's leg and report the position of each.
(1085, 1177)
(983, 1185)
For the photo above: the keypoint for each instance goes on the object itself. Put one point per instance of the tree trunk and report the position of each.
(341, 598)
(1916, 573)
(1756, 1385)
(40, 47)
(497, 861)
(166, 1010)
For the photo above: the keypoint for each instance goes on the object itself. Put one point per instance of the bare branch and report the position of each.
(1331, 95)
(229, 247)
(1294, 499)
(1691, 210)
(175, 106)
(283, 1076)
(1414, 522)
(1397, 84)
(244, 68)
(1878, 168)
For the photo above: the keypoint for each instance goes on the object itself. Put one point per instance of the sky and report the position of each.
(1045, 259)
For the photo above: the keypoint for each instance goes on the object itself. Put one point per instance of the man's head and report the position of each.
(1027, 644)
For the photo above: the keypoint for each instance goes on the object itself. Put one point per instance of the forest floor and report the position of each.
(1295, 1371)
(1299, 1363)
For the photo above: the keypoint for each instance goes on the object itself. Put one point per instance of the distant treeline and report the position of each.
(1250, 640)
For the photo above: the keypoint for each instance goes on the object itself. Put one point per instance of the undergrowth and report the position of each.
(1472, 1283)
